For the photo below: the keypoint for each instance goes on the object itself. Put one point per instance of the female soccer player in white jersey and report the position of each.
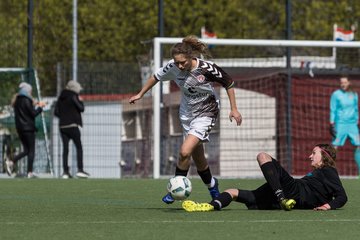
(199, 107)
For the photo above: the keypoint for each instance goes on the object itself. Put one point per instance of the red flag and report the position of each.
(207, 34)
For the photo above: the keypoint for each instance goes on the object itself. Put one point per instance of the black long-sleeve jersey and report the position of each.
(322, 186)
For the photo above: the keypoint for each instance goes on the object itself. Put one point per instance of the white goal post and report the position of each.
(159, 41)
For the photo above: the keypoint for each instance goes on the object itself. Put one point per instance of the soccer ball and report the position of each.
(179, 187)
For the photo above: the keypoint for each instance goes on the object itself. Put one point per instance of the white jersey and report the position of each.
(199, 98)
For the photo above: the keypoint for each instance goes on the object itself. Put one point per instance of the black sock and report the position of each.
(206, 176)
(272, 177)
(180, 172)
(246, 196)
(223, 200)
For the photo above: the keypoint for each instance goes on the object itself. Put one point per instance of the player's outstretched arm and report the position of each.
(234, 113)
(148, 85)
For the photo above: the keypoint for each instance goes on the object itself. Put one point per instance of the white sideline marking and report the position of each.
(172, 221)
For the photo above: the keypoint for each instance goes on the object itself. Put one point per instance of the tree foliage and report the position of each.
(115, 30)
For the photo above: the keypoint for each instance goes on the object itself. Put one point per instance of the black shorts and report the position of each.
(264, 196)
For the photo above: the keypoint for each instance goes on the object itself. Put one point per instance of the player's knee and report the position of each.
(233, 192)
(263, 158)
(184, 154)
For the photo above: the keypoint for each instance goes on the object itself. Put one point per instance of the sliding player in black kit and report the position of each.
(320, 189)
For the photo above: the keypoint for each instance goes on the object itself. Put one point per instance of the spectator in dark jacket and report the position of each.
(25, 110)
(69, 108)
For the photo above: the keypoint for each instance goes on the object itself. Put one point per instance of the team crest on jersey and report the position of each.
(200, 78)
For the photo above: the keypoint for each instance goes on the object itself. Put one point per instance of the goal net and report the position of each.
(282, 90)
(10, 78)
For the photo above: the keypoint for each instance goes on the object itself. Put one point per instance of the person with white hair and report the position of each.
(26, 110)
(68, 109)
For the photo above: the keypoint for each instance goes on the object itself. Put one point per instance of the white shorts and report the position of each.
(199, 127)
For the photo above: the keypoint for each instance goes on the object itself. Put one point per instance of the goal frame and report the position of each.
(157, 60)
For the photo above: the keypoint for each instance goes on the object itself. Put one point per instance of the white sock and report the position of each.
(212, 183)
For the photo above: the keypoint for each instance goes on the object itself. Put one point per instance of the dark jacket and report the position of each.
(69, 108)
(25, 114)
(322, 186)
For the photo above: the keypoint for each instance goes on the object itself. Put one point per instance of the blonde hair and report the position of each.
(13, 99)
(191, 47)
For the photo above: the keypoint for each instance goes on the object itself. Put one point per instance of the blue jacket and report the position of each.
(344, 107)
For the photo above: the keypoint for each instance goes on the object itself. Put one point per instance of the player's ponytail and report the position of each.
(192, 47)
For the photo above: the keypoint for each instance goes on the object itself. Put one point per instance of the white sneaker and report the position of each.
(66, 176)
(9, 167)
(31, 175)
(82, 174)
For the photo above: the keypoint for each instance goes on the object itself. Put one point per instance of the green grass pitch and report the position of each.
(132, 209)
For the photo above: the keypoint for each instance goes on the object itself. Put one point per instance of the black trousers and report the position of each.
(264, 198)
(28, 141)
(67, 134)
